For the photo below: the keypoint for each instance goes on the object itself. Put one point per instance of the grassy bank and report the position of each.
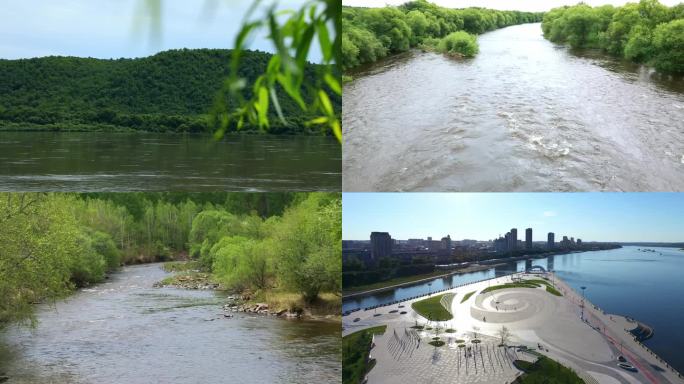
(189, 275)
(546, 371)
(467, 296)
(412, 278)
(394, 281)
(326, 305)
(645, 32)
(355, 351)
(369, 34)
(535, 283)
(432, 309)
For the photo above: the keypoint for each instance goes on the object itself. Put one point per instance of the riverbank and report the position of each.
(536, 319)
(558, 143)
(408, 280)
(272, 302)
(643, 33)
(126, 331)
(418, 24)
(482, 266)
(203, 130)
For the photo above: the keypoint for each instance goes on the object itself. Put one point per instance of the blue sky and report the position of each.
(521, 5)
(107, 28)
(483, 216)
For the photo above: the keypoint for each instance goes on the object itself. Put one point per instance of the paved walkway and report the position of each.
(403, 355)
(536, 319)
(615, 329)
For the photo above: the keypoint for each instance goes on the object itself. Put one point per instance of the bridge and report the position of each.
(536, 268)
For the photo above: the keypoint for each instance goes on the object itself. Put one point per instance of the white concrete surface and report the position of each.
(535, 318)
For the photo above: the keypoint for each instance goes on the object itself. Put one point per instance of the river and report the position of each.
(626, 281)
(110, 162)
(524, 115)
(126, 331)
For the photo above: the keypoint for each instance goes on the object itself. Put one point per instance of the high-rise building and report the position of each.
(579, 241)
(528, 238)
(550, 241)
(513, 239)
(565, 243)
(500, 244)
(381, 245)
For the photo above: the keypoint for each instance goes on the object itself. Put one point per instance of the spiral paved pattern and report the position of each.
(513, 305)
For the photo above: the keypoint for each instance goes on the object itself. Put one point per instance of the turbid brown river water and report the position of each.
(524, 115)
(126, 331)
(121, 162)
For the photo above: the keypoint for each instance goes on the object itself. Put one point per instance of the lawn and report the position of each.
(432, 309)
(546, 371)
(522, 284)
(394, 281)
(355, 351)
(467, 296)
(553, 291)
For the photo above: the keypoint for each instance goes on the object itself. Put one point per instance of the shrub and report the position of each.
(668, 41)
(459, 43)
(86, 266)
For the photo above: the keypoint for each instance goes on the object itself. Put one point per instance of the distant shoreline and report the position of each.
(470, 269)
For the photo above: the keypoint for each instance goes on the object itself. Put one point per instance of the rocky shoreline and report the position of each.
(239, 304)
(198, 281)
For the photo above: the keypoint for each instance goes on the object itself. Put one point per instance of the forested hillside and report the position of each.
(52, 243)
(369, 34)
(644, 32)
(172, 91)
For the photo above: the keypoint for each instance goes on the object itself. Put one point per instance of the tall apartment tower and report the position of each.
(528, 238)
(513, 240)
(381, 245)
(550, 242)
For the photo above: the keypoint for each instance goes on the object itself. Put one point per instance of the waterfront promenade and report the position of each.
(536, 319)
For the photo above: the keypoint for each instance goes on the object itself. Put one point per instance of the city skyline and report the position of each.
(114, 29)
(602, 217)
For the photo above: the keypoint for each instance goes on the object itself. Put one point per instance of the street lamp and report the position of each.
(582, 315)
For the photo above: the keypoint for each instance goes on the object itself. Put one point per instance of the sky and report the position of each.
(623, 217)
(113, 28)
(520, 5)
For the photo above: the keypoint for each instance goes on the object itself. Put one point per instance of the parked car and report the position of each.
(627, 367)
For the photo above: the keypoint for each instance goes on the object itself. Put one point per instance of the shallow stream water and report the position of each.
(126, 331)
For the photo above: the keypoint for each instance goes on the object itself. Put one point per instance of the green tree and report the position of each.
(36, 245)
(309, 246)
(639, 46)
(418, 24)
(668, 42)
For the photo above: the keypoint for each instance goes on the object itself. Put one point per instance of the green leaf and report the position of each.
(333, 83)
(324, 40)
(263, 106)
(325, 103)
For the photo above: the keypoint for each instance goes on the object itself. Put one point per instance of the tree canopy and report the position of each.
(369, 34)
(644, 32)
(53, 243)
(172, 91)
